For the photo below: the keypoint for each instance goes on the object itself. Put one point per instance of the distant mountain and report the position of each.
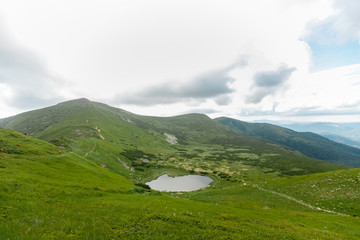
(341, 139)
(112, 137)
(310, 144)
(350, 132)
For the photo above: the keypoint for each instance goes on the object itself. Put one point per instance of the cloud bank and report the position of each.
(212, 85)
(25, 81)
(268, 83)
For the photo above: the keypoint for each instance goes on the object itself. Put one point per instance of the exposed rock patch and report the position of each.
(171, 138)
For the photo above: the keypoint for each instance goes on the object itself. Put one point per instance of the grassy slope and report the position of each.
(310, 144)
(202, 145)
(48, 194)
(337, 191)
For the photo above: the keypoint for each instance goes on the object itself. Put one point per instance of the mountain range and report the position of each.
(308, 143)
(126, 132)
(78, 170)
(346, 133)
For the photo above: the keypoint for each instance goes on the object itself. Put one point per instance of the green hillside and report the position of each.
(310, 144)
(48, 193)
(337, 190)
(189, 143)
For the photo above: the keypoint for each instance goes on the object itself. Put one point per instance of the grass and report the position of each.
(336, 191)
(50, 195)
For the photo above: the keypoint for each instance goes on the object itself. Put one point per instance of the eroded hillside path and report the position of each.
(93, 148)
(125, 165)
(99, 130)
(298, 201)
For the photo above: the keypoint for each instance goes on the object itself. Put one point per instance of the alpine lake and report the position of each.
(187, 183)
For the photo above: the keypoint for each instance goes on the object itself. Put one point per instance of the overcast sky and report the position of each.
(247, 59)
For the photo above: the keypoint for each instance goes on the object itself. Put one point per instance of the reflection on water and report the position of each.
(187, 183)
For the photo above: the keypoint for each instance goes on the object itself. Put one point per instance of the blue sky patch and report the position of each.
(326, 56)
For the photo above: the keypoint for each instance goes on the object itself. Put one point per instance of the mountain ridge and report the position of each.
(200, 141)
(310, 144)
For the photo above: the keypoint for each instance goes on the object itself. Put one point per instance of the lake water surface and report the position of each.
(186, 183)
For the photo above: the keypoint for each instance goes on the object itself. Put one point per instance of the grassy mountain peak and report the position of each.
(192, 142)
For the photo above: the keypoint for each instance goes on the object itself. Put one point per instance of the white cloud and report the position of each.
(329, 95)
(342, 25)
(25, 82)
(335, 89)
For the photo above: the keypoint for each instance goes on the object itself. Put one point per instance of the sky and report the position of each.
(252, 60)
